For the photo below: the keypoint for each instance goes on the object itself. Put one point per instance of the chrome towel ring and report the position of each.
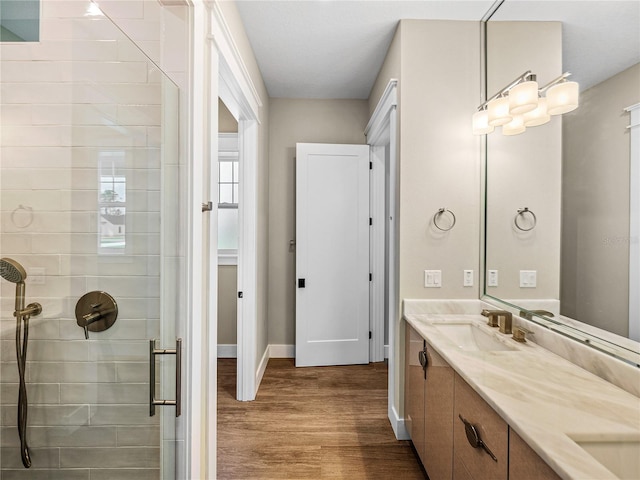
(441, 212)
(521, 213)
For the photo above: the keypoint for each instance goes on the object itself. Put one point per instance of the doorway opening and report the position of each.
(227, 202)
(381, 135)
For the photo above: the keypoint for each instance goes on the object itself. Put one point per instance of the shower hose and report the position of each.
(21, 352)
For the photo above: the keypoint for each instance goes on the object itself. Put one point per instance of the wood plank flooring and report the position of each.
(326, 422)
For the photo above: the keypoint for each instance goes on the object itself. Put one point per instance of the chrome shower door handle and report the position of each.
(153, 401)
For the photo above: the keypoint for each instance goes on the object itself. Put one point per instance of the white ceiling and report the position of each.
(599, 38)
(334, 48)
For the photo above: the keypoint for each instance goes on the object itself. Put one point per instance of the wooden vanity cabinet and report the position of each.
(524, 463)
(438, 417)
(491, 429)
(414, 380)
(429, 405)
(435, 399)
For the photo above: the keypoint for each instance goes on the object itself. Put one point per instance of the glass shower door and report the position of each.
(90, 201)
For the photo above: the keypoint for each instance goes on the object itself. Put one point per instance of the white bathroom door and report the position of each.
(332, 254)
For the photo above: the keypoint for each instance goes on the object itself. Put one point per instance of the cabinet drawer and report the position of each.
(524, 463)
(491, 429)
(438, 417)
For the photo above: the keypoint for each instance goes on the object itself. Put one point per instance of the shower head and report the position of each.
(12, 271)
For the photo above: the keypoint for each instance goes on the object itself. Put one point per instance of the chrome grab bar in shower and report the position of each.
(153, 401)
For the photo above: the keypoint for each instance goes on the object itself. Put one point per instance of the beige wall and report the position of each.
(226, 122)
(234, 22)
(438, 65)
(298, 121)
(390, 69)
(595, 236)
(439, 162)
(227, 304)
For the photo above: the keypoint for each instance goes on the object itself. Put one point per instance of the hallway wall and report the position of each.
(298, 121)
(437, 63)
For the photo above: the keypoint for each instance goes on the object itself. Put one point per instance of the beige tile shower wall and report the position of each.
(62, 113)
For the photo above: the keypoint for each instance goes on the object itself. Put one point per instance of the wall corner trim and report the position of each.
(388, 100)
(398, 425)
(232, 60)
(262, 366)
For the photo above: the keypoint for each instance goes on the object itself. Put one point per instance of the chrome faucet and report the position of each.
(499, 318)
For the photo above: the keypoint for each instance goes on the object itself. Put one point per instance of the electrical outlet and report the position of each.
(433, 278)
(528, 278)
(468, 278)
(492, 278)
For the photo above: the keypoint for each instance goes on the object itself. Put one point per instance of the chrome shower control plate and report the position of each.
(96, 311)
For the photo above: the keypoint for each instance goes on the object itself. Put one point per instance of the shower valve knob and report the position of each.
(96, 311)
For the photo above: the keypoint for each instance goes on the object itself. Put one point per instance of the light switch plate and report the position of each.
(528, 278)
(467, 278)
(492, 278)
(433, 278)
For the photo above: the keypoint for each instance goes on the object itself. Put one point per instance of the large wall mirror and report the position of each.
(563, 198)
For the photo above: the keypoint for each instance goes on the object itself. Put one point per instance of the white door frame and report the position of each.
(235, 88)
(382, 130)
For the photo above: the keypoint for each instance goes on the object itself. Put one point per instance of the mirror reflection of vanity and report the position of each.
(563, 198)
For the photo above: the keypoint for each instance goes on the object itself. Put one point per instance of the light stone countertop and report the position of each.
(543, 397)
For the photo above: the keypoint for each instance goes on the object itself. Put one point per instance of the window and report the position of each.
(228, 192)
(112, 200)
(19, 20)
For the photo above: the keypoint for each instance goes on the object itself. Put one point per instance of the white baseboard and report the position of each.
(398, 425)
(282, 351)
(386, 352)
(227, 351)
(262, 367)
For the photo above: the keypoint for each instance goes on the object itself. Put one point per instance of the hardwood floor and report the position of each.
(327, 422)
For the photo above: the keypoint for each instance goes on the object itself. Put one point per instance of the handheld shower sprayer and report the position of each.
(13, 272)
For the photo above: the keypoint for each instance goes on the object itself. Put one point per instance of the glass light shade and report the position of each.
(523, 98)
(498, 111)
(514, 127)
(562, 98)
(480, 123)
(539, 116)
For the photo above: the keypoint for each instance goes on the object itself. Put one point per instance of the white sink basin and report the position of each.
(622, 458)
(469, 336)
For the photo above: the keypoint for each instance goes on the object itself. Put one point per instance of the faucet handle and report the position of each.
(492, 318)
(519, 334)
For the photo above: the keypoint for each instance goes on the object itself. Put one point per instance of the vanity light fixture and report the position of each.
(498, 111)
(521, 104)
(562, 96)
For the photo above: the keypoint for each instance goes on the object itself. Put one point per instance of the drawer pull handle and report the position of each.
(422, 358)
(474, 438)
